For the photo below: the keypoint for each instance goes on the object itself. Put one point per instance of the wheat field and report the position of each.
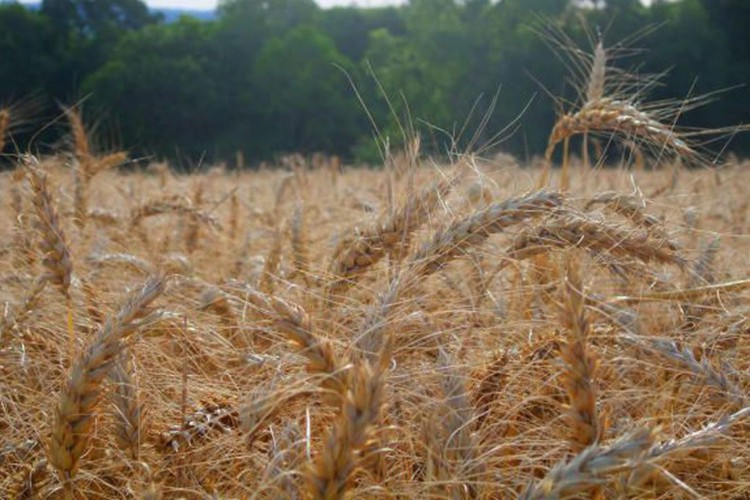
(424, 330)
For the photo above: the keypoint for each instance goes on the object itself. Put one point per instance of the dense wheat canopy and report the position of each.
(420, 331)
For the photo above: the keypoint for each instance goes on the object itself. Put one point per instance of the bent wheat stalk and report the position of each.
(473, 230)
(78, 403)
(391, 235)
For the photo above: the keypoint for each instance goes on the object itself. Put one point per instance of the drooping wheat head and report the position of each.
(77, 407)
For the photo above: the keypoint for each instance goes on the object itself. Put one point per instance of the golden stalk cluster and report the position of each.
(478, 337)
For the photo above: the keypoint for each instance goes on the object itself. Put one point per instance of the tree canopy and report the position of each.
(272, 76)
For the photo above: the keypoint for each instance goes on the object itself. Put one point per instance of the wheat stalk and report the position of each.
(78, 402)
(390, 235)
(331, 476)
(581, 365)
(53, 244)
(472, 231)
(684, 294)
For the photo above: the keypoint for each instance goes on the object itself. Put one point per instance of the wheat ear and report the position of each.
(77, 406)
(459, 448)
(620, 117)
(300, 246)
(473, 230)
(271, 266)
(53, 244)
(390, 235)
(129, 412)
(591, 467)
(292, 320)
(629, 206)
(581, 365)
(332, 474)
(577, 230)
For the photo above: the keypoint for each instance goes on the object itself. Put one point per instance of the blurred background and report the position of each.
(196, 82)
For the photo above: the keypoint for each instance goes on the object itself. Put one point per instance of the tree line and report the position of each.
(266, 77)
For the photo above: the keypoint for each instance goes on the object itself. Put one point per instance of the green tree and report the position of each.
(350, 27)
(159, 83)
(93, 18)
(29, 51)
(307, 102)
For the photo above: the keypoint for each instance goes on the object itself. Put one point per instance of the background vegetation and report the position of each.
(267, 77)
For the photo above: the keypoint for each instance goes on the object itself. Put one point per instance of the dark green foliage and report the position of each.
(271, 76)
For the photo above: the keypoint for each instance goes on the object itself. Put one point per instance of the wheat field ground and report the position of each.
(418, 331)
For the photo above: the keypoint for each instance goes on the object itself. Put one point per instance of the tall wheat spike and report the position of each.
(471, 231)
(391, 234)
(53, 245)
(331, 475)
(617, 110)
(581, 365)
(77, 406)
